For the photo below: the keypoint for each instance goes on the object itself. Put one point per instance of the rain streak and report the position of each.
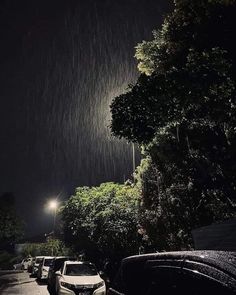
(71, 66)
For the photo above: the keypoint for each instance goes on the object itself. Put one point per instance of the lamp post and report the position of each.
(133, 157)
(53, 205)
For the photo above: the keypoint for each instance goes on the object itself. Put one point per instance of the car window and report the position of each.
(167, 281)
(184, 284)
(51, 264)
(38, 260)
(48, 261)
(58, 263)
(80, 270)
(186, 289)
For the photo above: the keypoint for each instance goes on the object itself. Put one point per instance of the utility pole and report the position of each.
(54, 220)
(133, 154)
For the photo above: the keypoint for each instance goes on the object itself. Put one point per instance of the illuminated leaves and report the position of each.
(103, 218)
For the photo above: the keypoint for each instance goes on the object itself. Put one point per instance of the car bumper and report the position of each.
(65, 291)
(100, 291)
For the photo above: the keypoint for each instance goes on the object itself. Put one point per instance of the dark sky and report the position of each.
(61, 64)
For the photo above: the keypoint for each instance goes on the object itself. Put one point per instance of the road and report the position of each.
(21, 284)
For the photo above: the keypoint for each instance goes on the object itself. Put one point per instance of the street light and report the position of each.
(53, 205)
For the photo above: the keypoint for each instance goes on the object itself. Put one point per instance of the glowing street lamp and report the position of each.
(53, 204)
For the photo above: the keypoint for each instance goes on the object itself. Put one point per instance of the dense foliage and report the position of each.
(102, 221)
(11, 226)
(54, 247)
(182, 110)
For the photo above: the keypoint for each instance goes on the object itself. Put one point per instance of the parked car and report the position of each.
(43, 268)
(35, 266)
(76, 277)
(190, 272)
(23, 264)
(18, 265)
(55, 265)
(30, 265)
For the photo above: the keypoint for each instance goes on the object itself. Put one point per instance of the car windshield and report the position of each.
(47, 262)
(38, 260)
(59, 261)
(80, 270)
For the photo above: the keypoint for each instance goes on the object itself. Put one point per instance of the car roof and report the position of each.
(57, 257)
(64, 257)
(77, 262)
(39, 257)
(48, 257)
(217, 258)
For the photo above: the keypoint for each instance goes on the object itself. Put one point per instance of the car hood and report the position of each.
(81, 280)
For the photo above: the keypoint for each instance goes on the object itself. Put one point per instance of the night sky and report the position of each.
(61, 64)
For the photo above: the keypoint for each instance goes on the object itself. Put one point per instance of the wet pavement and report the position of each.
(21, 283)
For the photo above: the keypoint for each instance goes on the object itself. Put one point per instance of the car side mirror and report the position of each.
(101, 273)
(58, 273)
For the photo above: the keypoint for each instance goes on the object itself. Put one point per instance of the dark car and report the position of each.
(187, 272)
(55, 265)
(35, 266)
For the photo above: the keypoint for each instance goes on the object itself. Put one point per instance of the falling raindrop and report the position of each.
(72, 62)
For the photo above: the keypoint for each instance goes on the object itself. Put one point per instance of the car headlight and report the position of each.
(67, 285)
(99, 285)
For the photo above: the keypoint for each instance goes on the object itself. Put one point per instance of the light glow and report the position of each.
(53, 204)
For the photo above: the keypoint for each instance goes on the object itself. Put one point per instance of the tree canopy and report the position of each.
(54, 247)
(188, 73)
(182, 110)
(103, 220)
(11, 226)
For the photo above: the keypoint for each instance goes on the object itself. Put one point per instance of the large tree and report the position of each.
(103, 221)
(11, 226)
(182, 110)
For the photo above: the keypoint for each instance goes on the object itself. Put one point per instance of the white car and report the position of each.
(26, 262)
(23, 264)
(43, 268)
(79, 278)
